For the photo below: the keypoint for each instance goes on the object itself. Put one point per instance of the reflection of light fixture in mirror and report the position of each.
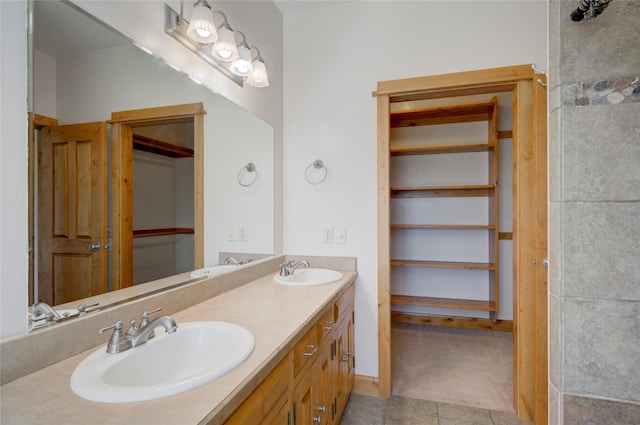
(202, 27)
(242, 65)
(259, 76)
(232, 59)
(225, 49)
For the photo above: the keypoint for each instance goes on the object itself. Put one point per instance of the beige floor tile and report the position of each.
(465, 414)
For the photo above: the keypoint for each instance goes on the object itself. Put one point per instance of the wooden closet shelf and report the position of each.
(443, 264)
(162, 232)
(158, 147)
(480, 305)
(442, 115)
(427, 150)
(444, 226)
(441, 191)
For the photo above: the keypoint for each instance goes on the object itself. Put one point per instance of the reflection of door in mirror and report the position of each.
(157, 193)
(72, 212)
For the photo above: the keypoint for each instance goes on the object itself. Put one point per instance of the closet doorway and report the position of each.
(157, 192)
(528, 134)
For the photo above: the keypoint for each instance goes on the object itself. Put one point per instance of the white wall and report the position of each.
(13, 168)
(334, 56)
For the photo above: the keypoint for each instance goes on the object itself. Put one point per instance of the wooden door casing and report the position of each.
(72, 212)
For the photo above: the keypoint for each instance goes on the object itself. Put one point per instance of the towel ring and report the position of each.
(318, 165)
(249, 168)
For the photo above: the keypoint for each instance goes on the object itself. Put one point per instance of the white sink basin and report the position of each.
(309, 277)
(196, 354)
(212, 270)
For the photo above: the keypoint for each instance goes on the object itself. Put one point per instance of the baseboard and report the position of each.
(365, 385)
(453, 322)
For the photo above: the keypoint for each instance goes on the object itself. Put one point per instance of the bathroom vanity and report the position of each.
(300, 371)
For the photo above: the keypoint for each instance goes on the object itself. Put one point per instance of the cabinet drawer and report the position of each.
(306, 349)
(326, 323)
(344, 303)
(266, 399)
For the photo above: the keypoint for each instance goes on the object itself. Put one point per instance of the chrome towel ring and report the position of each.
(310, 174)
(250, 168)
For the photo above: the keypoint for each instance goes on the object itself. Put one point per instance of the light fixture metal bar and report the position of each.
(177, 28)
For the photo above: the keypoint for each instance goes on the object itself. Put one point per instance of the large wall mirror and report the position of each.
(82, 72)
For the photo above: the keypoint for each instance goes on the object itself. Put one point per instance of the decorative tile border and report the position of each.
(602, 92)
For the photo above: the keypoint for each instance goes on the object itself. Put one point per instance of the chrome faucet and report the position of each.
(121, 341)
(44, 309)
(231, 260)
(288, 267)
(141, 336)
(42, 315)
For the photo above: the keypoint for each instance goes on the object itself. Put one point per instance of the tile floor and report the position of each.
(364, 410)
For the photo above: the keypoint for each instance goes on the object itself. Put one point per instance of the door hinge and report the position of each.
(295, 416)
(289, 418)
(353, 317)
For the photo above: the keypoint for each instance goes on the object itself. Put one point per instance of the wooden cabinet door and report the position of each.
(303, 400)
(323, 385)
(344, 363)
(72, 212)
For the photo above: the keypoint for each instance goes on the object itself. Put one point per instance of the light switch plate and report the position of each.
(340, 235)
(327, 234)
(231, 234)
(243, 233)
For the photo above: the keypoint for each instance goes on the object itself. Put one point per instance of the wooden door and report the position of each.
(72, 212)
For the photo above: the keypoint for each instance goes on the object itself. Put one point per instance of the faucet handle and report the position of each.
(145, 321)
(117, 342)
(145, 316)
(116, 327)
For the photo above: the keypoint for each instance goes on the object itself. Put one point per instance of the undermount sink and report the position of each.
(309, 277)
(212, 270)
(196, 354)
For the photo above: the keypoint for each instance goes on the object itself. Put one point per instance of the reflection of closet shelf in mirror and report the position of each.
(163, 232)
(479, 305)
(158, 147)
(441, 191)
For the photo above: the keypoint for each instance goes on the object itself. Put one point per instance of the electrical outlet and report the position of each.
(340, 235)
(231, 234)
(243, 233)
(327, 234)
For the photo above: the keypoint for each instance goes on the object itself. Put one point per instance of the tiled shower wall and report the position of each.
(594, 215)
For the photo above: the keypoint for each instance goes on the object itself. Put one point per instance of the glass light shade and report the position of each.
(258, 77)
(242, 66)
(225, 49)
(202, 28)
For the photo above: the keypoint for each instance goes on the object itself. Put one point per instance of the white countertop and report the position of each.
(274, 313)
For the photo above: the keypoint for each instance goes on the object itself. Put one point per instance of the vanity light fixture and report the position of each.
(216, 44)
(225, 49)
(202, 27)
(242, 65)
(259, 76)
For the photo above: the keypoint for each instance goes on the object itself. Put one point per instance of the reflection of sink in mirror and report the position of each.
(309, 277)
(212, 271)
(196, 354)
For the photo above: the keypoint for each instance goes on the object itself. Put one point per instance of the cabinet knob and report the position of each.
(317, 419)
(345, 356)
(322, 409)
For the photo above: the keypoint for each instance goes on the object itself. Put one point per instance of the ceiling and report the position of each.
(80, 33)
